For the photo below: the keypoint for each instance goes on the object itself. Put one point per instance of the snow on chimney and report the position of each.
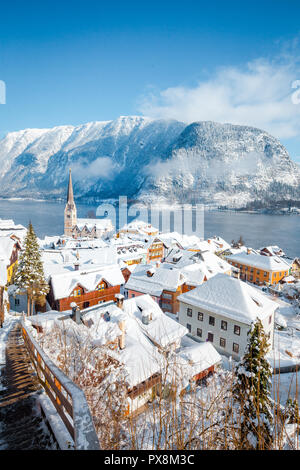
(150, 272)
(120, 300)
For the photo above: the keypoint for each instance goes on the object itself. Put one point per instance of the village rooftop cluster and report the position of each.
(147, 294)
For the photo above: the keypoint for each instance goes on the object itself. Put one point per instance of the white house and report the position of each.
(221, 311)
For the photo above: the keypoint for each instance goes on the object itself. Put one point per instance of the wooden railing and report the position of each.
(68, 399)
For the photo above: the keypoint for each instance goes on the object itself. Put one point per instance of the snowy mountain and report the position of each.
(150, 159)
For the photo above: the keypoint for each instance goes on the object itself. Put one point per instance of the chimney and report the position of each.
(76, 314)
(120, 300)
(122, 336)
(248, 251)
(150, 272)
(76, 266)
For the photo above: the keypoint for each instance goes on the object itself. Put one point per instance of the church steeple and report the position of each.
(70, 199)
(70, 210)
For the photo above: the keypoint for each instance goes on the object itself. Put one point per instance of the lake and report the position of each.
(257, 230)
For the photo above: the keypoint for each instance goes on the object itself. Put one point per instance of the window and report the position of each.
(132, 295)
(237, 330)
(235, 348)
(167, 296)
(212, 321)
(223, 342)
(101, 286)
(86, 304)
(166, 306)
(265, 274)
(199, 332)
(210, 337)
(189, 312)
(223, 325)
(77, 292)
(200, 316)
(17, 301)
(189, 327)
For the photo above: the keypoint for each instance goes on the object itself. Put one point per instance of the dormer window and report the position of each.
(77, 292)
(101, 286)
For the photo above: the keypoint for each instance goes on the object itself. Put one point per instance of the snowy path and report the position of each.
(21, 423)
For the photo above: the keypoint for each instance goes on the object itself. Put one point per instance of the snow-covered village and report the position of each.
(136, 339)
(149, 231)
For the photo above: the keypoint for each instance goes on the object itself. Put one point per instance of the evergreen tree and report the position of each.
(30, 278)
(292, 411)
(251, 392)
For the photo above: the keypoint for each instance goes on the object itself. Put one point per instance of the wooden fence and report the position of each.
(68, 399)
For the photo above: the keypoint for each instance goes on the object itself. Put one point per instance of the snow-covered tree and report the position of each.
(251, 393)
(292, 411)
(29, 277)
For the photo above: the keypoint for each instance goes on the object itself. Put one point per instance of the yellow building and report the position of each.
(9, 248)
(260, 269)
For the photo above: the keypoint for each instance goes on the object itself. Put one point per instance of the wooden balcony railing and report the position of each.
(68, 399)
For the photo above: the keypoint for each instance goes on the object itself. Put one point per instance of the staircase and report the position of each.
(22, 425)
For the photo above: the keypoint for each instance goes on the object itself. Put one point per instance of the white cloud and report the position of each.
(101, 167)
(258, 94)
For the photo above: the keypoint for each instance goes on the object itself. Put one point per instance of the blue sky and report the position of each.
(73, 62)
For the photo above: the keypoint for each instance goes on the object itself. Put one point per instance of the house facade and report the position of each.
(221, 311)
(86, 288)
(296, 268)
(260, 269)
(155, 250)
(164, 284)
(9, 250)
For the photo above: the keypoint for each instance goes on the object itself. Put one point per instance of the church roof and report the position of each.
(70, 199)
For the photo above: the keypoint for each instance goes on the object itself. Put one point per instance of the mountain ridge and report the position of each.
(150, 159)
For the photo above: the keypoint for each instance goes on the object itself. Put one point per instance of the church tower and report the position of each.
(70, 210)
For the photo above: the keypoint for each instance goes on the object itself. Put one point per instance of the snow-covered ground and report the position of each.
(9, 323)
(286, 341)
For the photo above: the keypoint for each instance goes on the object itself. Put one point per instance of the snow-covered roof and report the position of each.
(100, 224)
(8, 225)
(209, 263)
(162, 329)
(63, 284)
(139, 355)
(6, 247)
(163, 278)
(230, 297)
(63, 260)
(191, 361)
(47, 319)
(140, 227)
(184, 241)
(274, 250)
(288, 279)
(266, 263)
(219, 242)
